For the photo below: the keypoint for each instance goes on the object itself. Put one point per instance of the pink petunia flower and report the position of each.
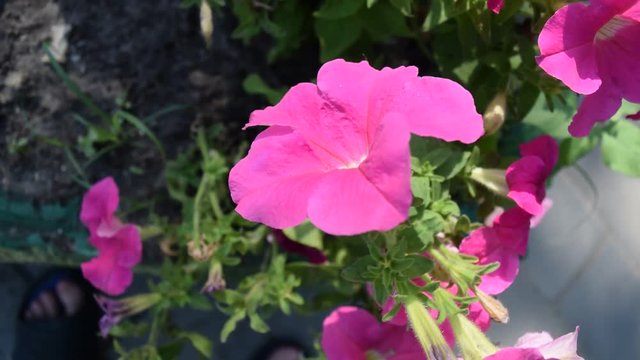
(527, 176)
(119, 245)
(352, 333)
(504, 242)
(338, 152)
(541, 346)
(495, 5)
(594, 49)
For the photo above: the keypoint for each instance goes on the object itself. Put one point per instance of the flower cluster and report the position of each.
(119, 245)
(593, 49)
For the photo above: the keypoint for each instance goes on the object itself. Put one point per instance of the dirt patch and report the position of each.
(150, 52)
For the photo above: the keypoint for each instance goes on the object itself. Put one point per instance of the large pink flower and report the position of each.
(504, 242)
(354, 334)
(119, 245)
(541, 346)
(527, 176)
(595, 50)
(338, 152)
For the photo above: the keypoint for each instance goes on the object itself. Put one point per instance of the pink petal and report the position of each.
(572, 26)
(99, 204)
(512, 228)
(544, 147)
(526, 178)
(495, 5)
(440, 108)
(479, 316)
(516, 354)
(619, 57)
(313, 255)
(348, 332)
(576, 68)
(501, 279)
(634, 117)
(375, 196)
(273, 183)
(547, 204)
(350, 86)
(111, 271)
(597, 107)
(566, 46)
(336, 136)
(633, 11)
(564, 347)
(534, 340)
(614, 6)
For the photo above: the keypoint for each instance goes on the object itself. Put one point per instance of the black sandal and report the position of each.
(72, 337)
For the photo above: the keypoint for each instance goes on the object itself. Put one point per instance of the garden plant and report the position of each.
(393, 192)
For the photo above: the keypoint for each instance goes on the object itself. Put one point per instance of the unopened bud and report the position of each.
(206, 23)
(495, 113)
(493, 307)
(492, 179)
(427, 331)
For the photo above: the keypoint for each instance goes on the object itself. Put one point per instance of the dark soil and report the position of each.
(149, 51)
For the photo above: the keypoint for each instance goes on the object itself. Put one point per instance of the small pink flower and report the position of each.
(541, 346)
(338, 152)
(594, 49)
(313, 255)
(119, 245)
(504, 242)
(495, 5)
(527, 176)
(354, 334)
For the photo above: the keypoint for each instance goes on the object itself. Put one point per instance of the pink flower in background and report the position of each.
(313, 255)
(541, 346)
(527, 176)
(635, 116)
(338, 153)
(352, 333)
(119, 245)
(504, 242)
(595, 50)
(495, 5)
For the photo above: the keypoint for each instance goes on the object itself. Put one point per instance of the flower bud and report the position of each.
(206, 23)
(493, 307)
(492, 179)
(495, 114)
(215, 281)
(427, 331)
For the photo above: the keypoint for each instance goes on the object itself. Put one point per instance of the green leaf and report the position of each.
(621, 148)
(421, 188)
(337, 36)
(257, 324)
(254, 85)
(248, 20)
(360, 271)
(306, 234)
(441, 11)
(380, 291)
(199, 342)
(397, 305)
(403, 5)
(138, 124)
(338, 9)
(370, 3)
(383, 21)
(231, 324)
(420, 266)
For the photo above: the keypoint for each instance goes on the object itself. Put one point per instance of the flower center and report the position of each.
(373, 355)
(354, 163)
(611, 28)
